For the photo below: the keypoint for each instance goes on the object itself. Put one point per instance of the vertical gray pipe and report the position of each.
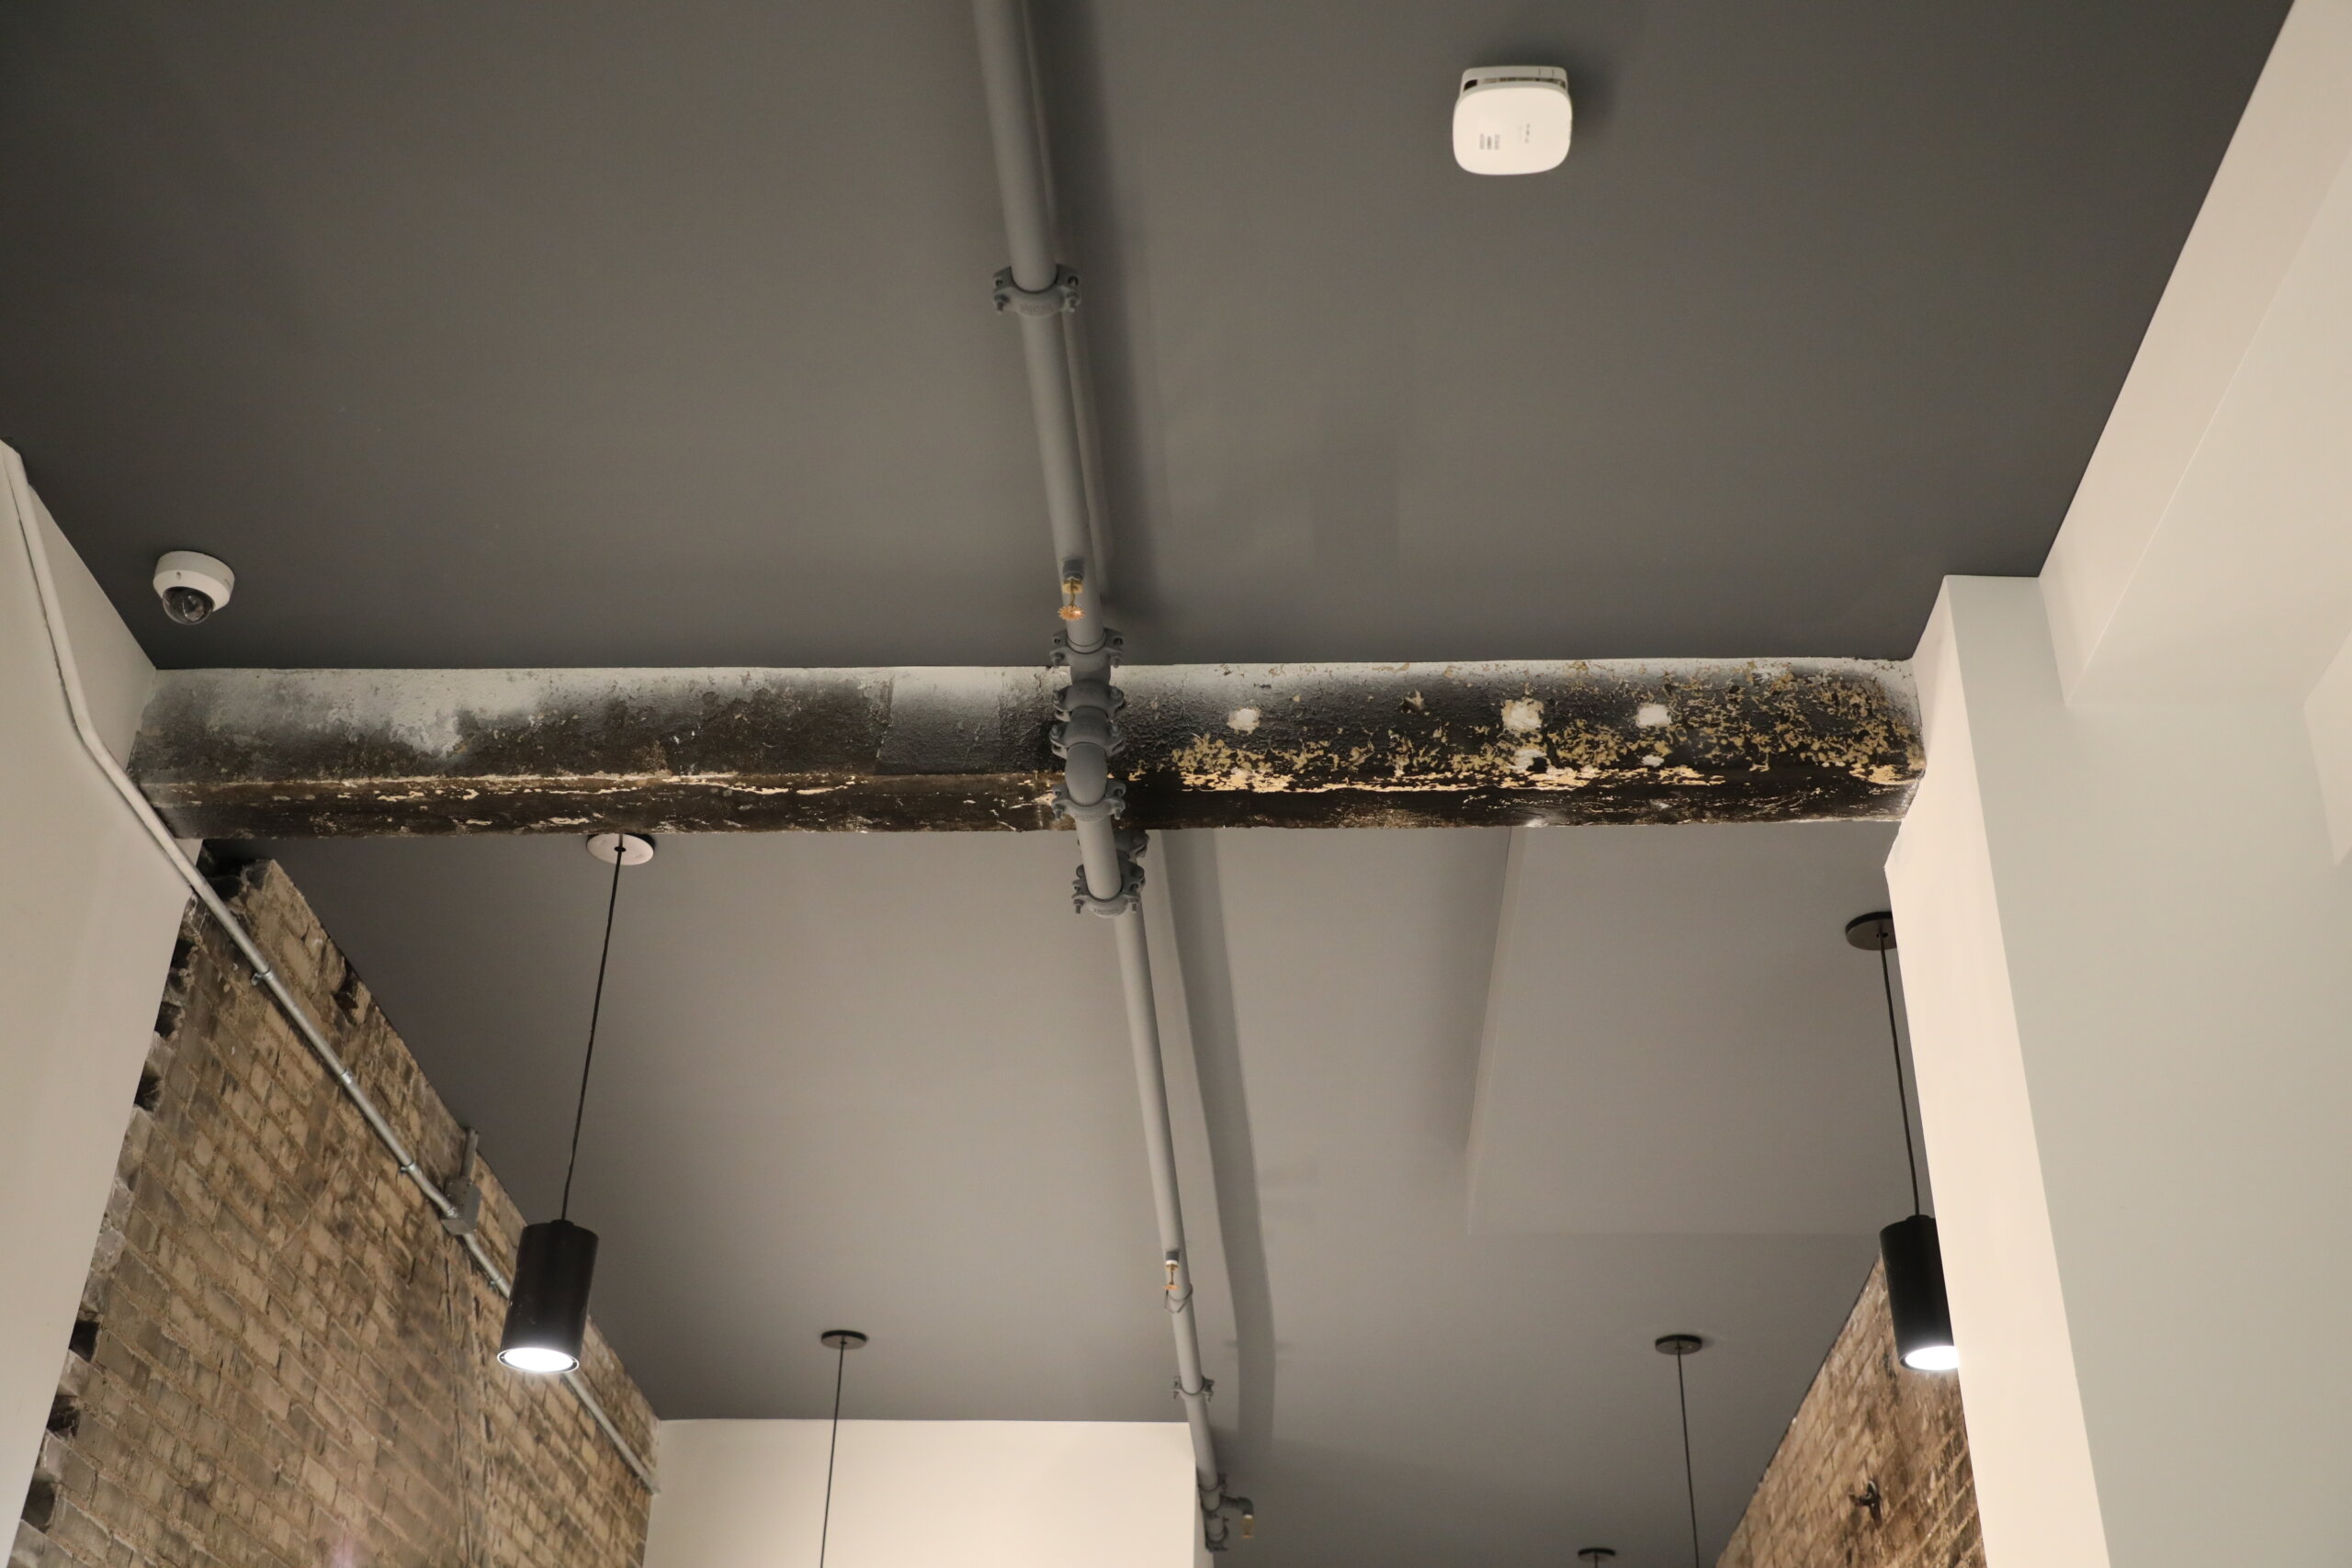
(1014, 120)
(1050, 350)
(1029, 237)
(1160, 1143)
(1056, 412)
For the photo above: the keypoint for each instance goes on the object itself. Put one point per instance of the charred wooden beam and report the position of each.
(297, 753)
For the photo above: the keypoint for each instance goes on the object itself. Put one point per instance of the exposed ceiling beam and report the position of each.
(303, 753)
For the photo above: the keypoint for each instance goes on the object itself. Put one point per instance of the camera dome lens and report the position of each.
(187, 605)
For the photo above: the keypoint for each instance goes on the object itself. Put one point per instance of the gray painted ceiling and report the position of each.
(607, 334)
(602, 334)
(882, 1079)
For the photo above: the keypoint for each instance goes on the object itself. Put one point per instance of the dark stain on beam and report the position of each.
(333, 753)
(1406, 746)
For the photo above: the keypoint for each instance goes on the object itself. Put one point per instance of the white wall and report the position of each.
(88, 914)
(2128, 948)
(2029, 1447)
(2127, 933)
(2327, 717)
(2208, 552)
(925, 1494)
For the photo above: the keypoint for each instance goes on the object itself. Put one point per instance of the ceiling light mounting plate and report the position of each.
(842, 1340)
(1679, 1344)
(1871, 932)
(636, 849)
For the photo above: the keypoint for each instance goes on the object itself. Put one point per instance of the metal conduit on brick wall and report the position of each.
(282, 1358)
(1874, 1471)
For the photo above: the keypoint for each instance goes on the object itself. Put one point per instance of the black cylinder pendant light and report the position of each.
(546, 1321)
(1913, 1258)
(547, 1317)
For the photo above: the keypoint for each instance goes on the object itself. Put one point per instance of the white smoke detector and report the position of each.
(1512, 119)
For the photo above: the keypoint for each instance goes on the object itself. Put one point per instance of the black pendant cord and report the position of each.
(1895, 1036)
(1690, 1482)
(595, 1011)
(833, 1448)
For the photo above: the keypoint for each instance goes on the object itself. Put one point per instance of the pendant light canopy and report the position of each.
(1914, 1259)
(1682, 1347)
(840, 1342)
(547, 1316)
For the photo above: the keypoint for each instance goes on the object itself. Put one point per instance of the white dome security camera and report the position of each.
(192, 586)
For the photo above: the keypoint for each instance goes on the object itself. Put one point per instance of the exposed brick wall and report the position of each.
(282, 1358)
(1867, 1421)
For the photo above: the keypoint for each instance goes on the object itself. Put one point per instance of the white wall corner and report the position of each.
(2038, 1498)
(117, 677)
(2181, 557)
(2327, 717)
(84, 941)
(1935, 677)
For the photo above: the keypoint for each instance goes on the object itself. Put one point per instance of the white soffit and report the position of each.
(1679, 1039)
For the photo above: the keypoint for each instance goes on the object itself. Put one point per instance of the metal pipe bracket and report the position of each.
(1112, 649)
(1082, 695)
(1125, 901)
(1059, 298)
(1087, 727)
(1113, 803)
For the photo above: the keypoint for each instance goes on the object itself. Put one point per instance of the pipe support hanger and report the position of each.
(1059, 298)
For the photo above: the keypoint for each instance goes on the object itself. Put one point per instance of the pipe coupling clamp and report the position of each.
(1113, 804)
(1059, 298)
(1087, 727)
(1079, 695)
(1111, 649)
(1127, 900)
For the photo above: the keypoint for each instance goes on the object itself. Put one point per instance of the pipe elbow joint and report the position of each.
(1087, 773)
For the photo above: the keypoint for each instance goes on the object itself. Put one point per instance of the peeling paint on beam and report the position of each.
(252, 753)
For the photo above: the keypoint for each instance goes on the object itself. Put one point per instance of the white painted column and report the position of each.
(87, 915)
(2128, 950)
(2126, 929)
